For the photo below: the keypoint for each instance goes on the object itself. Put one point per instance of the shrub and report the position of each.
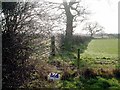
(75, 41)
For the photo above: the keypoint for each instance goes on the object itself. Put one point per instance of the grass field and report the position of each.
(102, 53)
(99, 59)
(102, 48)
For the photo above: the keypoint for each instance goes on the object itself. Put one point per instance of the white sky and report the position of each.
(105, 12)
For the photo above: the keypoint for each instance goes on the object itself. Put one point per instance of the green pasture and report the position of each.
(102, 48)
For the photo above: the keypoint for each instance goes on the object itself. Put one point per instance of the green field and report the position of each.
(102, 48)
(101, 57)
(101, 53)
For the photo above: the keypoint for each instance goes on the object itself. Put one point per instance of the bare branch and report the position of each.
(92, 28)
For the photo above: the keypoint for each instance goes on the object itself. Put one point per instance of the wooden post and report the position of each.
(53, 46)
(78, 60)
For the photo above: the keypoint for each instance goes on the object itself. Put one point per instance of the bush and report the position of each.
(15, 56)
(102, 83)
(74, 42)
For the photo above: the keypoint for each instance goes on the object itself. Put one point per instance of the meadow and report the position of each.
(102, 53)
(102, 48)
(98, 65)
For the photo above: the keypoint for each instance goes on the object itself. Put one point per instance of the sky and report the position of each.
(105, 12)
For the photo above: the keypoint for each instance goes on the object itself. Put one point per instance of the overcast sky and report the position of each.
(105, 12)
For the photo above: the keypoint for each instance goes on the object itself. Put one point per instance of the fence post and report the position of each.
(53, 46)
(78, 59)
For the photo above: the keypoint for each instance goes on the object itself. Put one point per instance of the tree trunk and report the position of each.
(69, 25)
(53, 46)
(91, 35)
(69, 22)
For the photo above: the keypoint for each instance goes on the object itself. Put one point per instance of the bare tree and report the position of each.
(92, 28)
(21, 22)
(15, 42)
(69, 13)
(73, 9)
(66, 17)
